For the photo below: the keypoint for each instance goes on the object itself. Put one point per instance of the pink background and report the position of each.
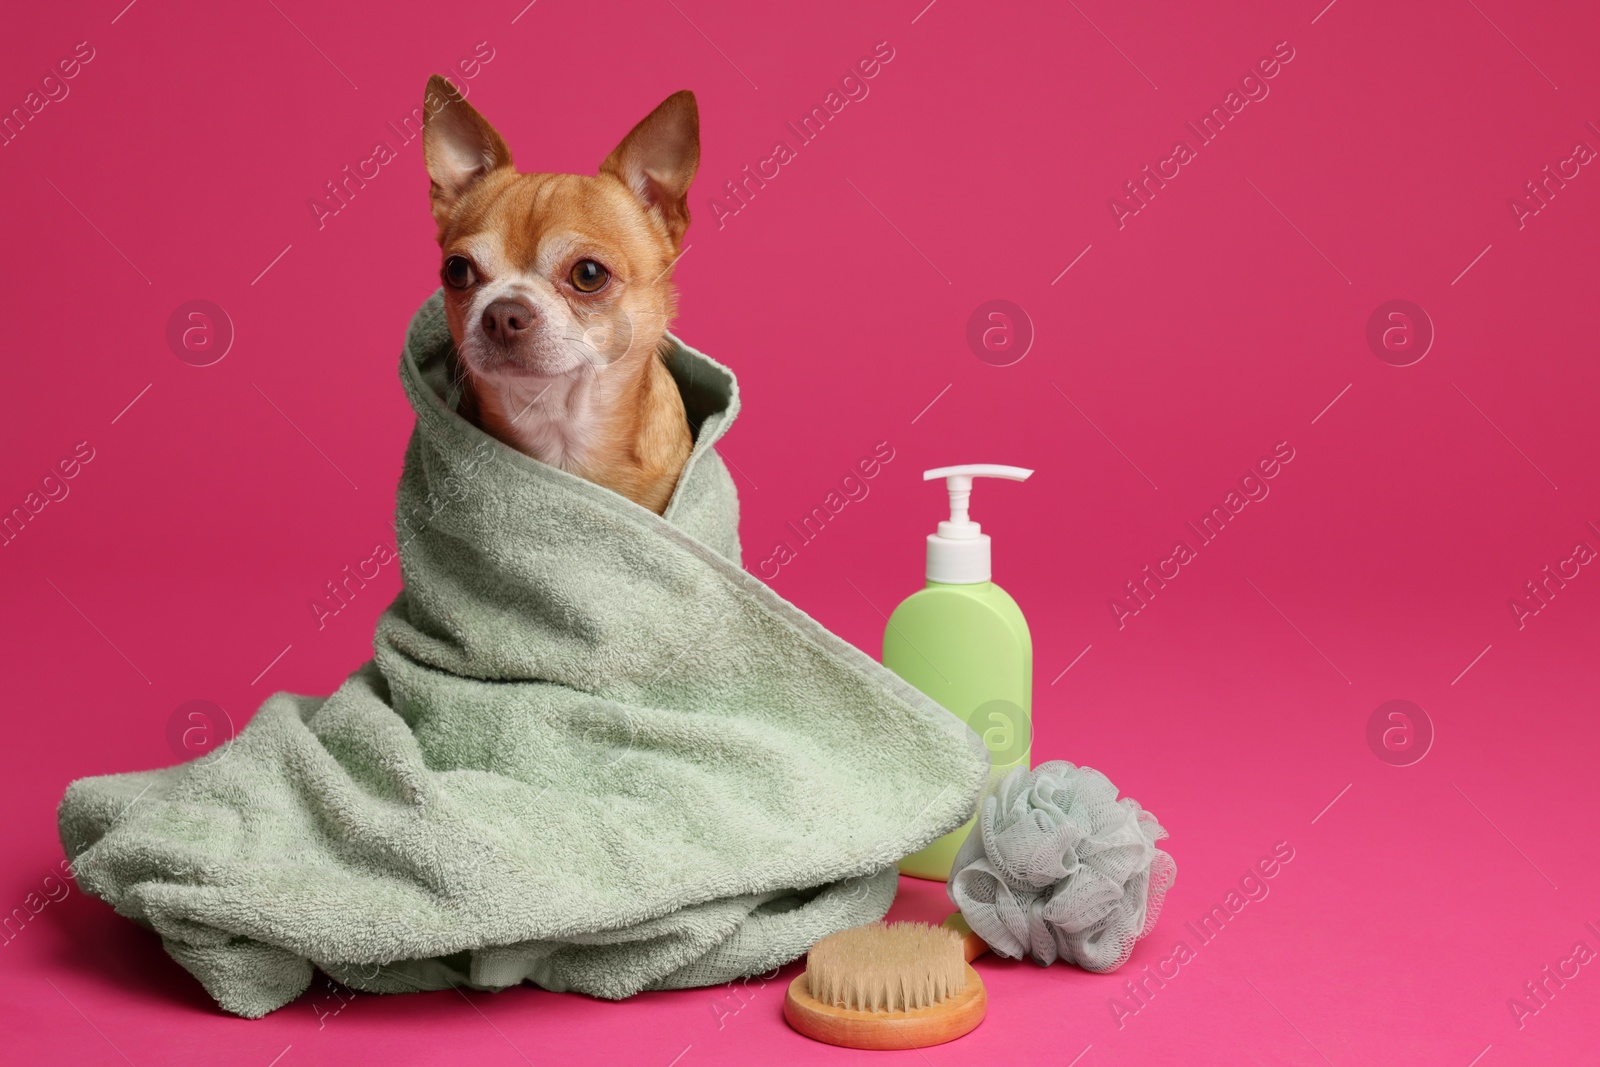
(1223, 318)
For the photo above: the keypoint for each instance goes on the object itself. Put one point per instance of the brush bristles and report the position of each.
(887, 967)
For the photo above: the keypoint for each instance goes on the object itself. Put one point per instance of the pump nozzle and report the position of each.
(959, 553)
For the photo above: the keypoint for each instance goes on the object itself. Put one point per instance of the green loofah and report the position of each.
(1057, 867)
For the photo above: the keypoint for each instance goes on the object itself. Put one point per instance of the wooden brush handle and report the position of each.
(972, 946)
(919, 1028)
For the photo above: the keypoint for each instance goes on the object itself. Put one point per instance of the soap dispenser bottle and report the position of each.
(963, 641)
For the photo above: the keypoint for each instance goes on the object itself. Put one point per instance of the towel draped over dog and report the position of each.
(590, 752)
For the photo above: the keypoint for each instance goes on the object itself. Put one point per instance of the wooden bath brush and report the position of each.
(889, 986)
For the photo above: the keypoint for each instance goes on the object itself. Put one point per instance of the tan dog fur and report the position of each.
(575, 379)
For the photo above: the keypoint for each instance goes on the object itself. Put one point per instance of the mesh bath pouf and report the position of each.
(1058, 867)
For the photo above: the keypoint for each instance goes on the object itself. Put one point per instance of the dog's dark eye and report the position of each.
(458, 272)
(589, 276)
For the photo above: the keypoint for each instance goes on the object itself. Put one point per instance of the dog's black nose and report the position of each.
(504, 320)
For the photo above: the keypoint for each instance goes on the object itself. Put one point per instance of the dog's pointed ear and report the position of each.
(658, 158)
(458, 145)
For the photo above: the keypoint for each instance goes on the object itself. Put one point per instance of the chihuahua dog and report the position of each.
(558, 289)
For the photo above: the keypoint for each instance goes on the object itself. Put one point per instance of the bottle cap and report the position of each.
(958, 554)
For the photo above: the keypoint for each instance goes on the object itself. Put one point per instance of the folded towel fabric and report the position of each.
(590, 752)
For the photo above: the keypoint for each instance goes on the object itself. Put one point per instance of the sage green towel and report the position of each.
(590, 751)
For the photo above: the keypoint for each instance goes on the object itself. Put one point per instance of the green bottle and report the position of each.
(963, 641)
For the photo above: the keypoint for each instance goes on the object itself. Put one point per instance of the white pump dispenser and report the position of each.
(959, 553)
